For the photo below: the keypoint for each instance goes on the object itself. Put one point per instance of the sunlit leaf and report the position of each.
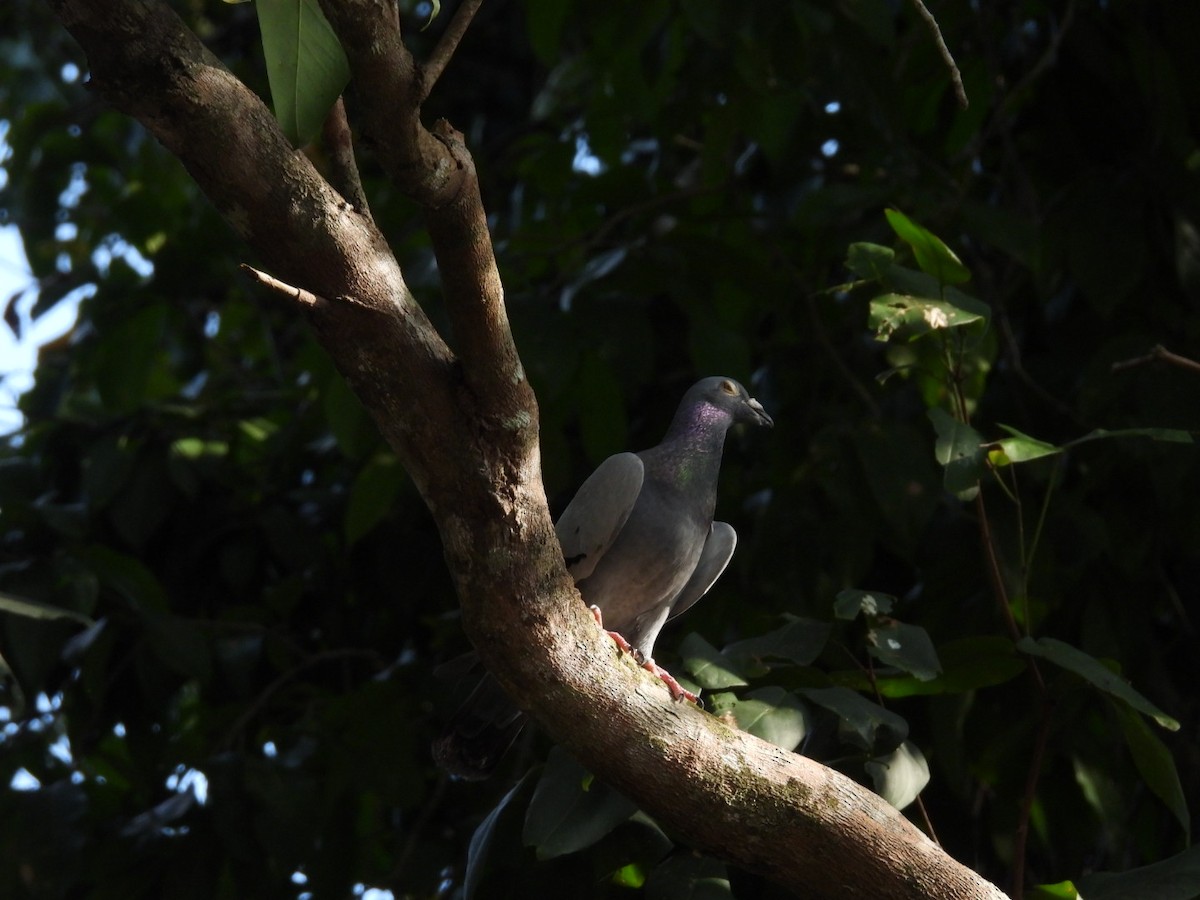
(900, 775)
(306, 66)
(1021, 447)
(1064, 890)
(771, 713)
(711, 669)
(35, 609)
(903, 315)
(435, 7)
(933, 256)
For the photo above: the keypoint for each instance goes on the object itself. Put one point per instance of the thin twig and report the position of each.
(1158, 353)
(960, 92)
(1021, 837)
(339, 144)
(308, 298)
(447, 44)
(869, 670)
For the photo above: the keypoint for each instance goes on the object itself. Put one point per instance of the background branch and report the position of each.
(339, 145)
(935, 30)
(447, 44)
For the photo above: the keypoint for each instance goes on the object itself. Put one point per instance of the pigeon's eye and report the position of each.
(728, 387)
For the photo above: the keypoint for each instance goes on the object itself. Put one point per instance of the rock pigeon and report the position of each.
(640, 541)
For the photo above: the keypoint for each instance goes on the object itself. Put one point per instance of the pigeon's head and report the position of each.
(729, 397)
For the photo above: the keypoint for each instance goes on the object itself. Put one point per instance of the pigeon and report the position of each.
(640, 542)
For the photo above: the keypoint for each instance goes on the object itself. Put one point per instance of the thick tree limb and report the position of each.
(466, 432)
(435, 169)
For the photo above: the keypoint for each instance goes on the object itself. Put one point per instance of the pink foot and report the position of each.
(621, 643)
(678, 691)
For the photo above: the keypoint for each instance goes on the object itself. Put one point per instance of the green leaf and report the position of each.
(435, 7)
(710, 669)
(864, 724)
(35, 609)
(1155, 763)
(352, 426)
(906, 647)
(799, 641)
(125, 575)
(851, 602)
(959, 449)
(1064, 890)
(1176, 878)
(933, 256)
(570, 810)
(900, 775)
(197, 448)
(372, 495)
(771, 713)
(903, 315)
(686, 876)
(306, 66)
(480, 847)
(1021, 447)
(1096, 673)
(967, 664)
(870, 261)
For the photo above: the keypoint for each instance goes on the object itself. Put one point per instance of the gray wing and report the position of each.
(718, 550)
(596, 515)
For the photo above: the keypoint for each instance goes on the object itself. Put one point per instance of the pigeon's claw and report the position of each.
(678, 691)
(620, 641)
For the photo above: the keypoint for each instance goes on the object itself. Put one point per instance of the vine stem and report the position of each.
(1021, 835)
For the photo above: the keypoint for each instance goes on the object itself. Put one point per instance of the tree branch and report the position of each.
(1158, 353)
(466, 432)
(339, 144)
(960, 92)
(434, 169)
(448, 43)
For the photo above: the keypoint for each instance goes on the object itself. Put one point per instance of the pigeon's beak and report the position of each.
(758, 415)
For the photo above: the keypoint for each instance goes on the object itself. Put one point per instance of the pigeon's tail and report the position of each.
(480, 733)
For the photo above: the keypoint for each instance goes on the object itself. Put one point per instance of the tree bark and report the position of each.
(465, 426)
